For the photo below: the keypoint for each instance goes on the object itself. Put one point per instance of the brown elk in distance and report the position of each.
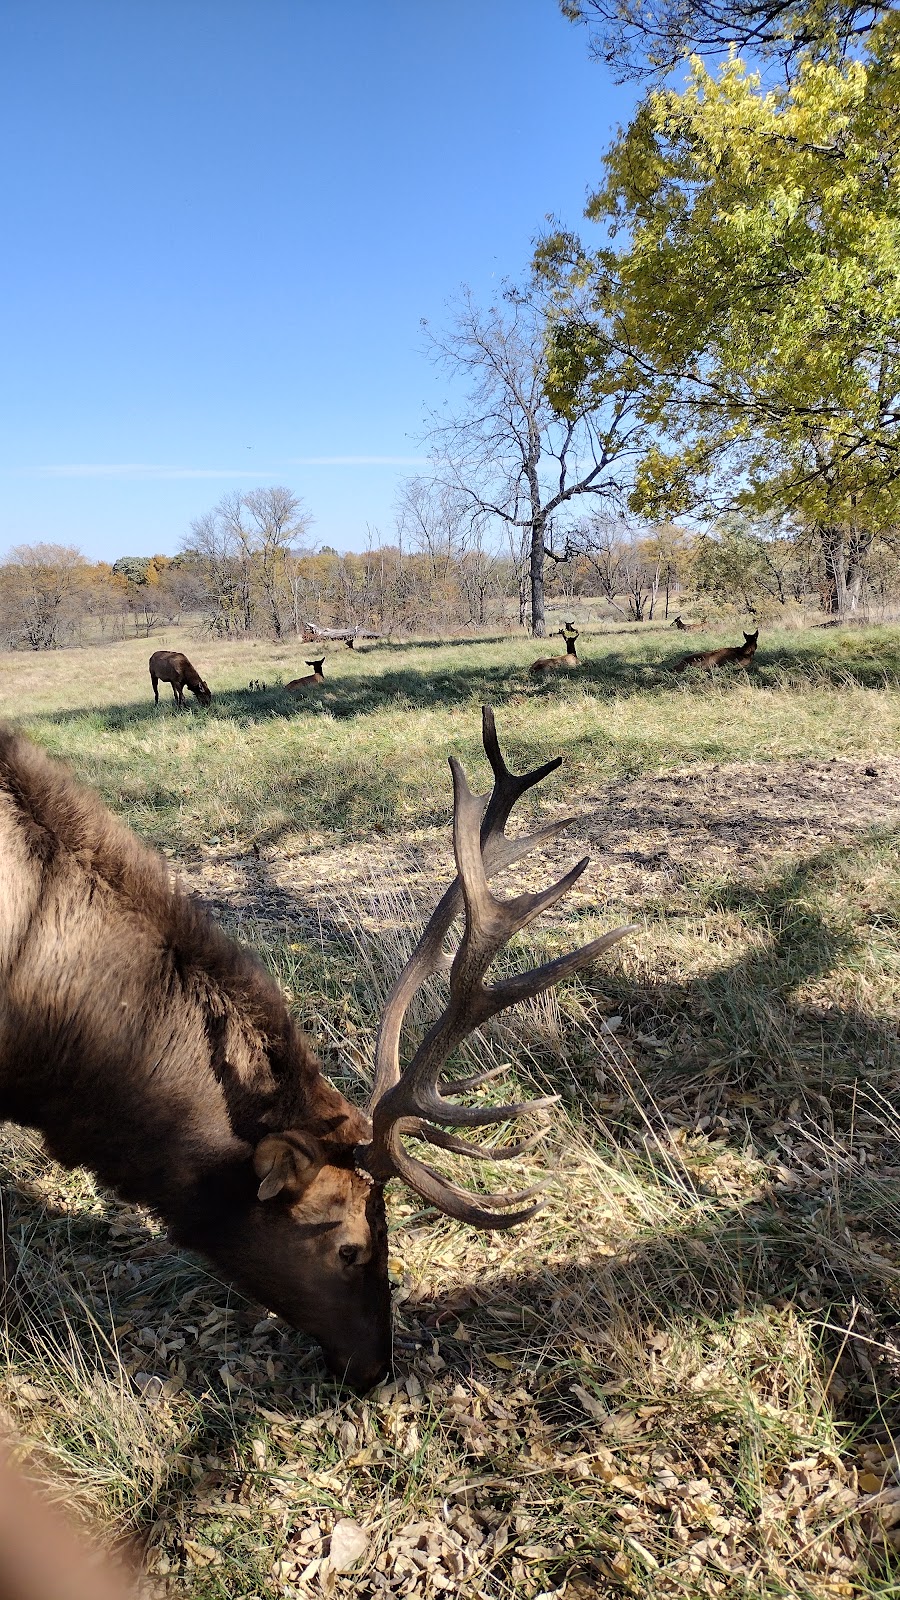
(736, 655)
(566, 663)
(170, 666)
(311, 680)
(689, 627)
(149, 1047)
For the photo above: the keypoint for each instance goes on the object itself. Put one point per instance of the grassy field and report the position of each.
(683, 1378)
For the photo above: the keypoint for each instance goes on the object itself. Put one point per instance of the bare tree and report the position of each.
(507, 452)
(277, 523)
(245, 549)
(445, 526)
(624, 563)
(40, 594)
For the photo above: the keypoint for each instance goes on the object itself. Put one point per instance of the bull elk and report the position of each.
(735, 655)
(151, 1048)
(311, 680)
(565, 663)
(172, 667)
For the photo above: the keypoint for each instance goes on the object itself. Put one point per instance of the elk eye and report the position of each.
(349, 1253)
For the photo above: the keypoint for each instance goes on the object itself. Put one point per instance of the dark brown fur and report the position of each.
(174, 668)
(736, 655)
(148, 1046)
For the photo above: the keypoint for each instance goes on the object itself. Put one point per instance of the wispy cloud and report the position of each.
(145, 469)
(135, 470)
(358, 461)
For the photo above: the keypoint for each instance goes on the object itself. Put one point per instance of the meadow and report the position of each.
(681, 1378)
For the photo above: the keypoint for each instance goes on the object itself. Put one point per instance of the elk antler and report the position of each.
(412, 1102)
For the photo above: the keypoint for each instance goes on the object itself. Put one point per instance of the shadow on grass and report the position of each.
(341, 698)
(830, 660)
(812, 1085)
(747, 1061)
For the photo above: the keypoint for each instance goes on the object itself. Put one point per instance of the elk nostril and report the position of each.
(349, 1253)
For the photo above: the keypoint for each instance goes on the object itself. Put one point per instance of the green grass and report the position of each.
(366, 752)
(683, 1377)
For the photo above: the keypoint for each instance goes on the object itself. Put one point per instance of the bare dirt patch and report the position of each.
(646, 837)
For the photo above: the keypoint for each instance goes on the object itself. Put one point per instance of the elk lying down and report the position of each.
(735, 655)
(174, 668)
(565, 663)
(148, 1046)
(311, 680)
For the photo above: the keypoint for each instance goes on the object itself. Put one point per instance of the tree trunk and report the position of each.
(844, 560)
(538, 616)
(835, 596)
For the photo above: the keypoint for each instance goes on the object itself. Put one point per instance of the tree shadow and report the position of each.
(757, 1053)
(743, 1058)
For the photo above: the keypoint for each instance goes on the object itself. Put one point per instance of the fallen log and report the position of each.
(347, 636)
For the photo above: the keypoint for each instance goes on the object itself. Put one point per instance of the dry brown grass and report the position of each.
(682, 1378)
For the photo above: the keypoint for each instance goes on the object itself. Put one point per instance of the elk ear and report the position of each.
(286, 1161)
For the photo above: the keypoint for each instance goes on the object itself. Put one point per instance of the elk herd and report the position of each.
(170, 666)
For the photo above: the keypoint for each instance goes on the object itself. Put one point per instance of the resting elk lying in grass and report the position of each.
(689, 627)
(311, 680)
(565, 663)
(736, 655)
(174, 668)
(148, 1046)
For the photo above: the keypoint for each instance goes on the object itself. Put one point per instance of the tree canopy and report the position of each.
(757, 290)
(649, 37)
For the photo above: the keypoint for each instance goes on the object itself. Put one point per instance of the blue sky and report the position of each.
(223, 222)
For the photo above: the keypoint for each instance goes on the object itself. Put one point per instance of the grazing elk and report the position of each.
(148, 1046)
(174, 668)
(564, 663)
(310, 681)
(736, 655)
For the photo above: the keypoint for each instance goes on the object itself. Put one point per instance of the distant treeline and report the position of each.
(51, 596)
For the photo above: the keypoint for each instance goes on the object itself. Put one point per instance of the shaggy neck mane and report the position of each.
(149, 996)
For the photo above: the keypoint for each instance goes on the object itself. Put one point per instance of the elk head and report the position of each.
(323, 1202)
(417, 1101)
(203, 692)
(306, 1234)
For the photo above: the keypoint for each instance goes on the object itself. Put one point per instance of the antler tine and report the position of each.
(508, 786)
(413, 1103)
(473, 1081)
(455, 1202)
(490, 924)
(499, 852)
(465, 1147)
